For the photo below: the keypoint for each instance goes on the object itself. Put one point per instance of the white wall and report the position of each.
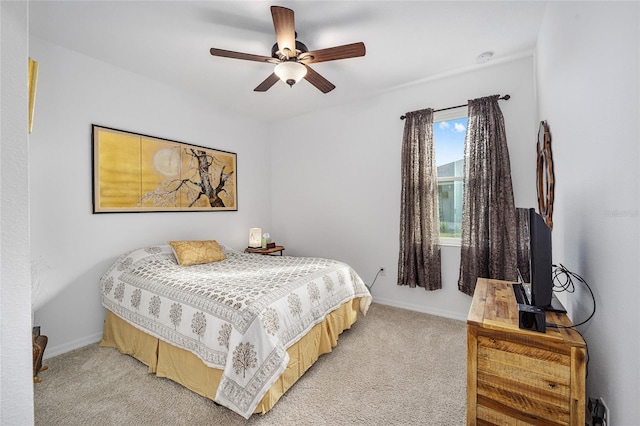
(588, 73)
(335, 186)
(16, 369)
(73, 247)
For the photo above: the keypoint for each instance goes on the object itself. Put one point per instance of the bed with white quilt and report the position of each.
(237, 328)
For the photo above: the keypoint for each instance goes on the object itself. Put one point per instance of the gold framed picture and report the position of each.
(33, 84)
(133, 172)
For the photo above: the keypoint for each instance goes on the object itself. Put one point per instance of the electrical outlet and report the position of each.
(383, 272)
(599, 412)
(606, 419)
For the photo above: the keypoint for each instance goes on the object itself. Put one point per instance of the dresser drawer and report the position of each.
(526, 381)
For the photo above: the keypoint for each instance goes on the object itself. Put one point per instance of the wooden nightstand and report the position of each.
(258, 250)
(39, 343)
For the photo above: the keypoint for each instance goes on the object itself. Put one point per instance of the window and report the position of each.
(449, 131)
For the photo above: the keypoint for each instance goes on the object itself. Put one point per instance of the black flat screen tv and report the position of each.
(541, 265)
(540, 260)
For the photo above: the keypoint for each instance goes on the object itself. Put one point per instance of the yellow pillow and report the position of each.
(196, 252)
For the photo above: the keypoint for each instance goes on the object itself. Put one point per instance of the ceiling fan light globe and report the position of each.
(290, 72)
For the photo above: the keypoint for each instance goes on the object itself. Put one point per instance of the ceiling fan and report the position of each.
(292, 58)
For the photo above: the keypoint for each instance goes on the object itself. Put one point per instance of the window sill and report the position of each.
(450, 242)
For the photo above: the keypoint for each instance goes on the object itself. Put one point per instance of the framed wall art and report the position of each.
(32, 86)
(139, 173)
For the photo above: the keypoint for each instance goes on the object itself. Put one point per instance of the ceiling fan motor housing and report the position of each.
(300, 48)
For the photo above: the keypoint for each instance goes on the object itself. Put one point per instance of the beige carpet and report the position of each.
(393, 367)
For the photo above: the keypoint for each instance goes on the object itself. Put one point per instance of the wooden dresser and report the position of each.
(520, 377)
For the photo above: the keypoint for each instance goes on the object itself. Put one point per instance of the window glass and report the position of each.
(448, 136)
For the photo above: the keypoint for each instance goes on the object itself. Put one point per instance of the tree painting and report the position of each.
(328, 283)
(118, 293)
(244, 357)
(224, 335)
(314, 292)
(202, 184)
(134, 172)
(271, 321)
(107, 285)
(136, 297)
(175, 313)
(199, 324)
(295, 304)
(154, 306)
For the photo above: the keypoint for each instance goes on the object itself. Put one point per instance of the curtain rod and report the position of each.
(505, 97)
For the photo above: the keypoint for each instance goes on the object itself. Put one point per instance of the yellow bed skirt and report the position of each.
(181, 366)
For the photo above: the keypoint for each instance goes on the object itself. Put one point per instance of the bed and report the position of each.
(240, 330)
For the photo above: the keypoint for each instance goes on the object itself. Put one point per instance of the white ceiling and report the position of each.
(406, 41)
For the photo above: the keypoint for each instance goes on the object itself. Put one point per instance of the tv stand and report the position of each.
(517, 376)
(555, 306)
(523, 299)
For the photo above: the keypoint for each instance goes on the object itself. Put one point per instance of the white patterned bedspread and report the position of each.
(239, 315)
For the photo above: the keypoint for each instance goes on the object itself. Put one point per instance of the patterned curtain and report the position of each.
(419, 260)
(488, 242)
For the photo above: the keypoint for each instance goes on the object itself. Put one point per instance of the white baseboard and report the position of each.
(52, 351)
(418, 308)
(67, 347)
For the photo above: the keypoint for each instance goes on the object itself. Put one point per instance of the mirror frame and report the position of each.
(545, 174)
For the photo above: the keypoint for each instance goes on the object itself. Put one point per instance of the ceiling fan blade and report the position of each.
(319, 81)
(266, 85)
(283, 23)
(346, 51)
(245, 56)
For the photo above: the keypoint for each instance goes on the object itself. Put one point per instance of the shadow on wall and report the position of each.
(72, 315)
